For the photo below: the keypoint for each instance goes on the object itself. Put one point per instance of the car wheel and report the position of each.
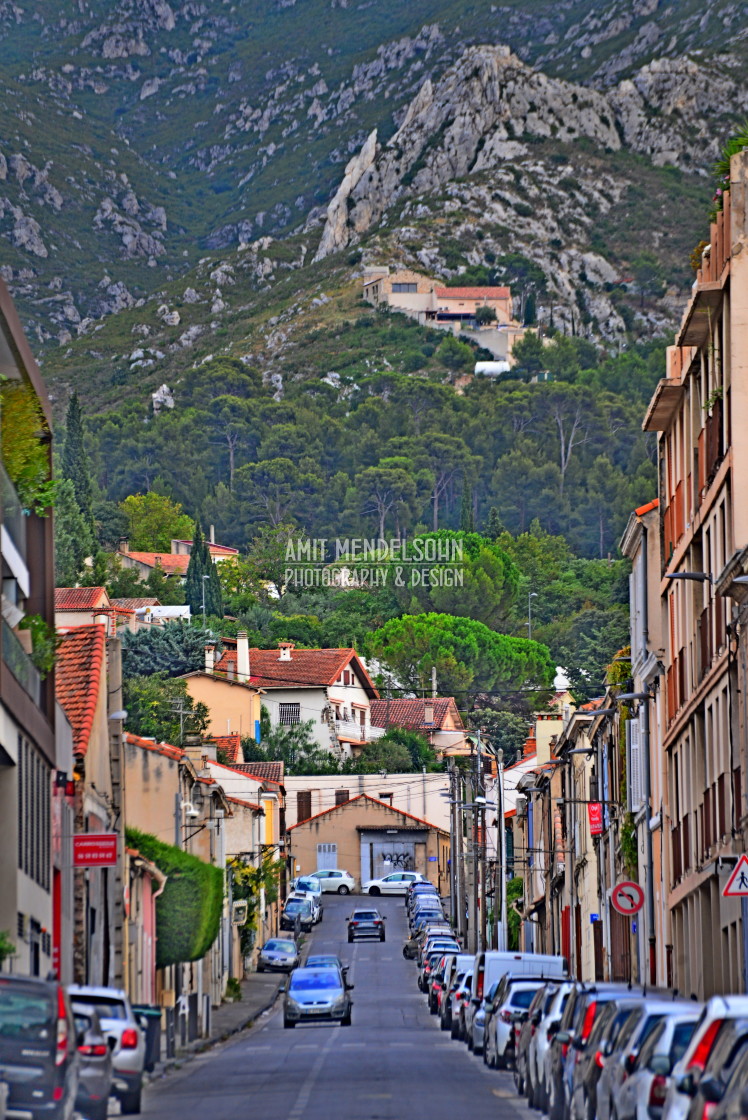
(344, 890)
(350, 939)
(555, 1112)
(532, 1094)
(346, 1021)
(519, 1082)
(130, 1102)
(288, 1025)
(382, 938)
(454, 1030)
(469, 1041)
(374, 890)
(321, 915)
(97, 1111)
(443, 1023)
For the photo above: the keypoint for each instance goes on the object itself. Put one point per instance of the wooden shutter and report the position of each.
(303, 805)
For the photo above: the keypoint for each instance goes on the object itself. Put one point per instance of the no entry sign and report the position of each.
(627, 898)
(95, 849)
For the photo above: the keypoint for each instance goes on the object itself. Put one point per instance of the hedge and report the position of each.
(188, 912)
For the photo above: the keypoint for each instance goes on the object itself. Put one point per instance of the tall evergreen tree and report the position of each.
(494, 527)
(197, 589)
(467, 519)
(75, 464)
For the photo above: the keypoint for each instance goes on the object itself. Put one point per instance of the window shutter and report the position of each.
(634, 782)
(303, 805)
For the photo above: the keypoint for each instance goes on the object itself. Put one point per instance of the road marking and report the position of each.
(352, 1045)
(402, 1044)
(255, 1047)
(306, 1089)
(504, 1094)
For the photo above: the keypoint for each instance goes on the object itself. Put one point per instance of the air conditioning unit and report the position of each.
(189, 810)
(521, 806)
(239, 912)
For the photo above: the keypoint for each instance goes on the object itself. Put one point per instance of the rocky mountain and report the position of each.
(143, 135)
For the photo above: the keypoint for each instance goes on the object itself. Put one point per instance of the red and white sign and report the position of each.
(595, 815)
(627, 898)
(737, 885)
(95, 849)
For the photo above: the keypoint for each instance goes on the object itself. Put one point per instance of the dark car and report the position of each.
(96, 1063)
(366, 923)
(39, 1057)
(617, 1018)
(297, 915)
(317, 994)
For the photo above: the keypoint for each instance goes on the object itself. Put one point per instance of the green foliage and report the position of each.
(153, 706)
(248, 881)
(292, 744)
(75, 464)
(455, 355)
(629, 847)
(485, 315)
(153, 521)
(45, 641)
(233, 990)
(400, 751)
(514, 893)
(73, 537)
(173, 649)
(202, 586)
(188, 912)
(7, 947)
(467, 655)
(736, 144)
(24, 455)
(505, 730)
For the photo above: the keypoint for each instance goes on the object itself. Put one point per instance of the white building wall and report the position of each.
(419, 794)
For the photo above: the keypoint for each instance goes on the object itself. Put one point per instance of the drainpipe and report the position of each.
(644, 729)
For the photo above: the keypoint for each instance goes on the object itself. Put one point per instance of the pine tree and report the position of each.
(467, 521)
(75, 464)
(494, 527)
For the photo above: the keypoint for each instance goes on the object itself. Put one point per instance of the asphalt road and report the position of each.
(393, 1063)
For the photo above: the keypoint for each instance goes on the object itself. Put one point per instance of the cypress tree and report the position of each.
(201, 564)
(467, 521)
(75, 465)
(494, 528)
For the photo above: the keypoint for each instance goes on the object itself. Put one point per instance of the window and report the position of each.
(34, 789)
(303, 805)
(289, 714)
(386, 797)
(404, 287)
(341, 796)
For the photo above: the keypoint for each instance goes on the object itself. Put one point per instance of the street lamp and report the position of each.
(203, 589)
(531, 595)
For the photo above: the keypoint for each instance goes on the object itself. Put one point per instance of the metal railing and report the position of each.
(352, 729)
(20, 665)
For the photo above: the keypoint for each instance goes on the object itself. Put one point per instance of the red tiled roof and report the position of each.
(172, 565)
(231, 745)
(646, 508)
(134, 604)
(592, 704)
(249, 804)
(80, 598)
(306, 668)
(78, 678)
(264, 771)
(247, 770)
(410, 713)
(216, 549)
(165, 749)
(374, 801)
(473, 293)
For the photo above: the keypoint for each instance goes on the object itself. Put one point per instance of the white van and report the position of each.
(492, 965)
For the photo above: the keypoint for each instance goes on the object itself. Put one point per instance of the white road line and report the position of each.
(305, 1092)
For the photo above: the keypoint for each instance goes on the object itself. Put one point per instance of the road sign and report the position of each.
(737, 885)
(627, 898)
(95, 849)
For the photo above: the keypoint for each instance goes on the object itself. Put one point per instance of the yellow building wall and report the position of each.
(232, 706)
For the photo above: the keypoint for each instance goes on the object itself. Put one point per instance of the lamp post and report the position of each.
(203, 590)
(502, 938)
(531, 595)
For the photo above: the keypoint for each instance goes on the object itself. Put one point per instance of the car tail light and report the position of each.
(98, 1050)
(704, 1048)
(353, 923)
(61, 1049)
(505, 1016)
(129, 1038)
(599, 1059)
(564, 1049)
(532, 1030)
(709, 1108)
(589, 1019)
(657, 1091)
(57, 1092)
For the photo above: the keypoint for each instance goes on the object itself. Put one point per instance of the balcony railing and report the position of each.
(13, 517)
(352, 729)
(20, 665)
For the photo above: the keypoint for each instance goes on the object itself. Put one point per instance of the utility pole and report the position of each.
(531, 595)
(433, 682)
(502, 938)
(459, 861)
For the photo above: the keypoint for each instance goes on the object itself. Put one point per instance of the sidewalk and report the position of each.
(259, 991)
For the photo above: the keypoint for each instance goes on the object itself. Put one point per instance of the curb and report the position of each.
(201, 1045)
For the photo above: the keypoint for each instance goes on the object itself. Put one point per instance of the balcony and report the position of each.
(361, 732)
(13, 532)
(19, 663)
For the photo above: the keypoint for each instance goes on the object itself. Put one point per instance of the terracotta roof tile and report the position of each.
(473, 293)
(410, 713)
(165, 749)
(266, 771)
(305, 668)
(78, 678)
(80, 598)
(249, 804)
(171, 564)
(135, 604)
(374, 801)
(230, 745)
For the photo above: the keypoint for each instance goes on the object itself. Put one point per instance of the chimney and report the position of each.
(531, 744)
(428, 712)
(192, 745)
(284, 649)
(210, 658)
(242, 656)
(124, 544)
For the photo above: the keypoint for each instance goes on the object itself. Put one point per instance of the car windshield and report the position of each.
(522, 998)
(280, 946)
(314, 981)
(295, 904)
(365, 915)
(307, 885)
(323, 962)
(24, 1013)
(106, 1007)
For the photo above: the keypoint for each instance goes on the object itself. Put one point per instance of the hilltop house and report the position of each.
(329, 687)
(437, 719)
(174, 563)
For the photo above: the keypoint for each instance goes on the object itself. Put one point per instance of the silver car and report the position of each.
(119, 1023)
(315, 995)
(278, 955)
(95, 1081)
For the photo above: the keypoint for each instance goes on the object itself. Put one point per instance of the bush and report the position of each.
(188, 912)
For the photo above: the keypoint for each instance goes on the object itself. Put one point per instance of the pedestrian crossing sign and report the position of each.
(737, 885)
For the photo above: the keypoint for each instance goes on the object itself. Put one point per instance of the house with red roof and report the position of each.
(173, 563)
(369, 838)
(436, 718)
(329, 687)
(84, 606)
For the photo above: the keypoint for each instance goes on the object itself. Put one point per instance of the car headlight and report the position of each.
(339, 1004)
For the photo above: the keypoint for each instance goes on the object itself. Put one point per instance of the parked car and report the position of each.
(337, 882)
(278, 955)
(535, 1011)
(727, 1052)
(475, 1023)
(538, 1061)
(39, 1059)
(313, 898)
(613, 1026)
(119, 1022)
(443, 942)
(461, 975)
(315, 994)
(733, 1103)
(397, 882)
(366, 923)
(687, 1071)
(306, 885)
(461, 1000)
(327, 960)
(297, 915)
(95, 1081)
(642, 1094)
(506, 1002)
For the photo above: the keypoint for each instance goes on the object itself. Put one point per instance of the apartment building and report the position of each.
(700, 412)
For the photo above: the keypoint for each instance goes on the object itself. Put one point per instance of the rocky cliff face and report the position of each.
(486, 108)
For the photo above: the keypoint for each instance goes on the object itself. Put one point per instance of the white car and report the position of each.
(540, 1044)
(499, 1030)
(687, 1071)
(313, 898)
(397, 882)
(642, 1094)
(307, 884)
(335, 882)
